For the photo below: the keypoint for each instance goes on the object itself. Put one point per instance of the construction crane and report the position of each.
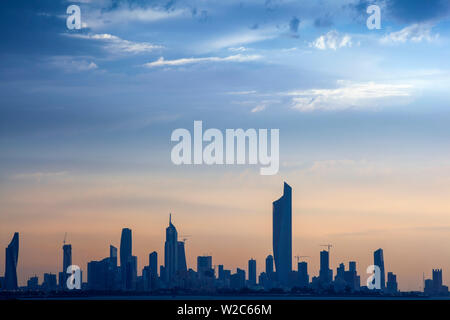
(327, 245)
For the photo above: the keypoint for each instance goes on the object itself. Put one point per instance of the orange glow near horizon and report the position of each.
(230, 217)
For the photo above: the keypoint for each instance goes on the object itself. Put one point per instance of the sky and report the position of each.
(86, 118)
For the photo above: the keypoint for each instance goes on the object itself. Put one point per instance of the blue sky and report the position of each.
(372, 106)
(139, 69)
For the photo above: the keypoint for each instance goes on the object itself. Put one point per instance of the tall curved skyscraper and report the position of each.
(125, 258)
(282, 235)
(12, 256)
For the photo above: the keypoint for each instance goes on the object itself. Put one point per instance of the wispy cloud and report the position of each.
(72, 64)
(125, 14)
(259, 108)
(115, 44)
(241, 38)
(332, 40)
(415, 33)
(351, 95)
(183, 61)
(242, 92)
(143, 14)
(238, 49)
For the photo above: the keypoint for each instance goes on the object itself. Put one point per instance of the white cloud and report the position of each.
(238, 49)
(116, 44)
(242, 92)
(239, 39)
(143, 15)
(124, 14)
(415, 33)
(332, 40)
(71, 64)
(178, 62)
(258, 108)
(351, 95)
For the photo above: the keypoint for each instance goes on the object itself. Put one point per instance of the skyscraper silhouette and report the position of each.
(98, 274)
(182, 266)
(132, 269)
(391, 284)
(171, 252)
(67, 261)
(282, 235)
(325, 273)
(378, 260)
(125, 258)
(303, 277)
(153, 262)
(67, 256)
(49, 283)
(220, 273)
(437, 280)
(12, 256)
(113, 256)
(204, 265)
(33, 283)
(351, 276)
(252, 272)
(340, 273)
(269, 266)
(113, 280)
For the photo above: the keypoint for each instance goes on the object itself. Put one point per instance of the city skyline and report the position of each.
(175, 266)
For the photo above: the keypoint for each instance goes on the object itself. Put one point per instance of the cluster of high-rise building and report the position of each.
(434, 285)
(119, 271)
